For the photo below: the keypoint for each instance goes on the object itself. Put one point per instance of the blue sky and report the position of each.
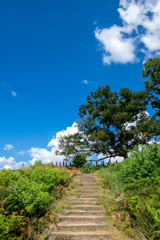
(54, 53)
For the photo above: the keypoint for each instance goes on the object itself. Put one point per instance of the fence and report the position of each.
(69, 164)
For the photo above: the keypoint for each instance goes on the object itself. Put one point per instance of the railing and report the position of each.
(69, 164)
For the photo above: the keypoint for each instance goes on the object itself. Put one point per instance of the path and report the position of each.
(86, 218)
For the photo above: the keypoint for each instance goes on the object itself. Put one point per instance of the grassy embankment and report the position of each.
(132, 190)
(27, 199)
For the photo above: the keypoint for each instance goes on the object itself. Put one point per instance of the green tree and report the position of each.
(111, 123)
(151, 69)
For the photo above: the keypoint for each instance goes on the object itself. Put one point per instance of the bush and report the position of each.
(87, 168)
(12, 225)
(79, 160)
(135, 183)
(25, 197)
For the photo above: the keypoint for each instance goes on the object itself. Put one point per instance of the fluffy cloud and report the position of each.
(140, 31)
(69, 130)
(10, 162)
(118, 48)
(8, 147)
(48, 155)
(112, 159)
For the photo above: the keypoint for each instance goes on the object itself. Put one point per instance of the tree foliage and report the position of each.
(151, 69)
(111, 123)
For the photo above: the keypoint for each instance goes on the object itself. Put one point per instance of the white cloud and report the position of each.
(14, 94)
(8, 147)
(69, 130)
(112, 159)
(85, 82)
(7, 162)
(47, 156)
(22, 152)
(10, 162)
(140, 32)
(7, 167)
(118, 48)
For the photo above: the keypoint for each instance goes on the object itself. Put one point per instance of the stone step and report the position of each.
(88, 218)
(79, 212)
(86, 203)
(89, 196)
(79, 235)
(88, 208)
(80, 226)
(86, 191)
(83, 199)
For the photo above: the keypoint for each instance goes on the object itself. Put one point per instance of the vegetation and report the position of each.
(87, 168)
(135, 185)
(79, 160)
(25, 199)
(112, 123)
(151, 69)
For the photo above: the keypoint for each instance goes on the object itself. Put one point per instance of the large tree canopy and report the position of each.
(111, 123)
(152, 69)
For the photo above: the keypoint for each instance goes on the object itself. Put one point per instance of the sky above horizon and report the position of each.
(53, 54)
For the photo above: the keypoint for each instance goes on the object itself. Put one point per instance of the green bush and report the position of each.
(79, 160)
(87, 168)
(135, 182)
(12, 225)
(25, 197)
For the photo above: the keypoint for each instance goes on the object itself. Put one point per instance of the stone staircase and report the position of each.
(86, 217)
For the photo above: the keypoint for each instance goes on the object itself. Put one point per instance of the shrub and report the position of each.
(79, 160)
(26, 196)
(12, 225)
(87, 168)
(136, 183)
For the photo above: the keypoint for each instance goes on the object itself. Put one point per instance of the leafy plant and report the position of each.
(135, 183)
(87, 168)
(79, 160)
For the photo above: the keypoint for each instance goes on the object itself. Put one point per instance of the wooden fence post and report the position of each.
(63, 163)
(56, 164)
(52, 164)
